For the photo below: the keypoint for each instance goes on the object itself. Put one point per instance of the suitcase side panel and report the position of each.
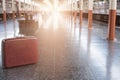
(20, 52)
(2, 49)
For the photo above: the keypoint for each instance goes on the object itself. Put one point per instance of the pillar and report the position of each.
(81, 11)
(75, 11)
(71, 7)
(112, 19)
(13, 15)
(19, 8)
(13, 9)
(90, 10)
(4, 16)
(24, 8)
(72, 4)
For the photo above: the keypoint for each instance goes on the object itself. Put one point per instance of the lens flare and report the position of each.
(53, 13)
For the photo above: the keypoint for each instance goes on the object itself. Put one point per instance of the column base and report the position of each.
(90, 19)
(112, 23)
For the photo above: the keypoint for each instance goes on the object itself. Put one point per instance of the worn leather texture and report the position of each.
(19, 51)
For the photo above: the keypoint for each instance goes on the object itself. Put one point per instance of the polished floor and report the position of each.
(68, 52)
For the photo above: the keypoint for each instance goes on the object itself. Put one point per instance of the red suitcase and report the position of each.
(19, 51)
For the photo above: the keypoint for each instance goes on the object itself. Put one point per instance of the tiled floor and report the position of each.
(70, 53)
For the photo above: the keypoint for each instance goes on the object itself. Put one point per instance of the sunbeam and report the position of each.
(54, 13)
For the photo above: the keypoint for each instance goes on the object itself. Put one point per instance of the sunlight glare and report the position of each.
(53, 12)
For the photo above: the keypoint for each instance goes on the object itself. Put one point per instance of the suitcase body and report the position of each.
(19, 51)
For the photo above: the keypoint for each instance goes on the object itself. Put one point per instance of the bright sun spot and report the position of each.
(52, 13)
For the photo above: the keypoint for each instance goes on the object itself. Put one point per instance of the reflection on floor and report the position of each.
(70, 53)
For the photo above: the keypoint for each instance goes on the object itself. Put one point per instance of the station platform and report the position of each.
(68, 52)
